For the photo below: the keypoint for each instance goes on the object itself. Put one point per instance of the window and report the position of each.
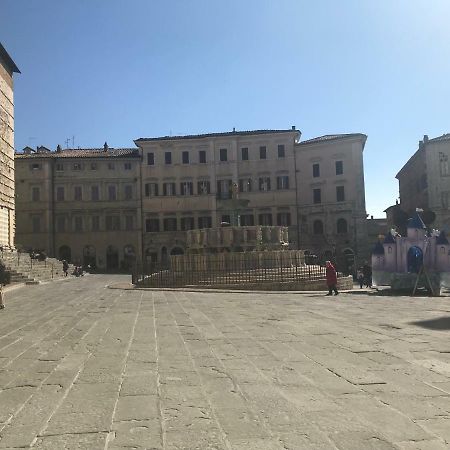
(443, 164)
(169, 189)
(95, 193)
(281, 151)
(152, 225)
(77, 193)
(128, 223)
(264, 183)
(151, 189)
(223, 154)
(203, 187)
(265, 219)
(111, 166)
(244, 153)
(341, 226)
(93, 166)
(224, 191)
(245, 185)
(35, 166)
(247, 220)
(283, 182)
(60, 224)
(60, 193)
(339, 167)
(340, 194)
(187, 223)
(78, 223)
(127, 166)
(95, 223)
(226, 218)
(128, 192)
(317, 196)
(77, 166)
(262, 152)
(35, 194)
(59, 167)
(284, 219)
(168, 157)
(318, 227)
(202, 156)
(36, 224)
(205, 222)
(316, 170)
(112, 223)
(186, 188)
(112, 192)
(170, 224)
(150, 159)
(185, 157)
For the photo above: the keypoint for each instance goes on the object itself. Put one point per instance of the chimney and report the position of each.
(234, 130)
(371, 217)
(420, 145)
(425, 138)
(105, 147)
(293, 127)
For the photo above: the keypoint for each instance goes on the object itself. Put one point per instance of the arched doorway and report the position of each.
(65, 253)
(89, 258)
(129, 258)
(414, 259)
(112, 258)
(177, 251)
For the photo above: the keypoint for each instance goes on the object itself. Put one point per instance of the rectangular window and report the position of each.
(111, 166)
(151, 189)
(316, 170)
(203, 187)
(202, 156)
(262, 152)
(187, 223)
(244, 153)
(128, 192)
(112, 192)
(245, 185)
(112, 223)
(339, 167)
(95, 223)
(77, 193)
(223, 154)
(128, 223)
(168, 157)
(127, 166)
(224, 191)
(265, 219)
(78, 223)
(169, 189)
(283, 182)
(150, 159)
(186, 188)
(77, 166)
(284, 219)
(152, 225)
(226, 219)
(35, 194)
(60, 224)
(317, 196)
(60, 193)
(340, 194)
(60, 167)
(205, 222)
(35, 166)
(95, 193)
(281, 153)
(93, 166)
(264, 183)
(170, 224)
(36, 224)
(247, 220)
(185, 157)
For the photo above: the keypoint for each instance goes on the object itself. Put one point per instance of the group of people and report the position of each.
(364, 277)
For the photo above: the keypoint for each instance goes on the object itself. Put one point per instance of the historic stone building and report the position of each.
(7, 214)
(82, 205)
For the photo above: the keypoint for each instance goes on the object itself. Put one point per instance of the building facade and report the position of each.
(7, 208)
(82, 205)
(424, 181)
(180, 183)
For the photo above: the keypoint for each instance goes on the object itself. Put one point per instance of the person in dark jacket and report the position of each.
(331, 278)
(367, 272)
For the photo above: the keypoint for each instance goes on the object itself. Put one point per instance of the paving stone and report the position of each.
(91, 441)
(136, 407)
(137, 433)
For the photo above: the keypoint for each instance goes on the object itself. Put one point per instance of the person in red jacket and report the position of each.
(331, 278)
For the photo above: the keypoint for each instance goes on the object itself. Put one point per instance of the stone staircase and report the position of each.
(23, 269)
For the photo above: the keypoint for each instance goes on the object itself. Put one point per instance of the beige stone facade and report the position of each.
(7, 214)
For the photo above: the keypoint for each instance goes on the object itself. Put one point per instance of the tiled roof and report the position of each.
(83, 153)
(209, 135)
(332, 137)
(8, 60)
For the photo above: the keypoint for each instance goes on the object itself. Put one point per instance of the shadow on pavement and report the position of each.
(441, 323)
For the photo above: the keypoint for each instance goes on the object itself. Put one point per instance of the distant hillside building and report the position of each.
(7, 214)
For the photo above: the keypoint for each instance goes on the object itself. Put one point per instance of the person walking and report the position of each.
(65, 266)
(367, 272)
(331, 278)
(2, 299)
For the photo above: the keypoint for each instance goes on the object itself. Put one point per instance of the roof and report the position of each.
(416, 222)
(210, 135)
(83, 153)
(8, 60)
(378, 249)
(444, 137)
(442, 239)
(389, 239)
(333, 137)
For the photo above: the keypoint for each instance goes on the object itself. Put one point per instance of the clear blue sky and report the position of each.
(116, 70)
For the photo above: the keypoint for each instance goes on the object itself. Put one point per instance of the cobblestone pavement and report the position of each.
(86, 367)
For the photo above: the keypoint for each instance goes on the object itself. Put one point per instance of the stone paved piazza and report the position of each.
(86, 367)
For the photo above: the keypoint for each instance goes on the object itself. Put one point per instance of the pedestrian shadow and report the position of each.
(441, 323)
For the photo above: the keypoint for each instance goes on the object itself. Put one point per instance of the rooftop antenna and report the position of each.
(73, 141)
(67, 142)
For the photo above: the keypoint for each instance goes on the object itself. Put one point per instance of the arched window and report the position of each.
(342, 226)
(318, 227)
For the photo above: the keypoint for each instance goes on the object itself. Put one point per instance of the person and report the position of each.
(331, 278)
(2, 300)
(65, 267)
(367, 272)
(360, 277)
